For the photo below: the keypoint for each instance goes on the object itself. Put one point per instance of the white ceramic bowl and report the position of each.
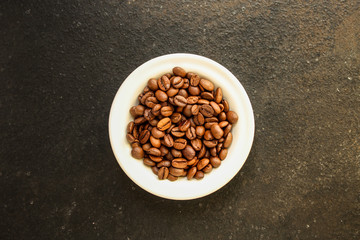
(243, 130)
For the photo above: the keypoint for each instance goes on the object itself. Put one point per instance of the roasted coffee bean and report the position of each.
(186, 83)
(216, 107)
(217, 131)
(169, 156)
(226, 105)
(184, 125)
(184, 93)
(191, 173)
(176, 153)
(178, 71)
(203, 102)
(211, 119)
(195, 109)
(207, 154)
(153, 122)
(207, 110)
(148, 162)
(177, 172)
(163, 173)
(135, 144)
(179, 163)
(199, 119)
(189, 75)
(192, 99)
(170, 128)
(180, 101)
(223, 124)
(161, 96)
(208, 125)
(152, 84)
(208, 168)
(221, 140)
(213, 151)
(202, 151)
(199, 175)
(155, 170)
(166, 111)
(192, 123)
(168, 140)
(164, 124)
(193, 161)
(176, 132)
(139, 120)
(146, 146)
(180, 144)
(210, 143)
(172, 177)
(219, 146)
(148, 115)
(144, 136)
(139, 110)
(163, 150)
(194, 91)
(194, 80)
(175, 118)
(146, 96)
(164, 163)
(207, 96)
(191, 133)
(228, 140)
(196, 144)
(202, 163)
(215, 161)
(221, 108)
(130, 138)
(177, 82)
(156, 110)
(151, 102)
(154, 152)
(155, 158)
(188, 152)
(137, 152)
(223, 153)
(164, 83)
(200, 131)
(172, 92)
(226, 130)
(206, 84)
(135, 132)
(180, 110)
(155, 142)
(132, 112)
(187, 111)
(157, 133)
(232, 117)
(208, 135)
(171, 100)
(218, 95)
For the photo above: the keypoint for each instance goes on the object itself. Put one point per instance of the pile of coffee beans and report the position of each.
(182, 126)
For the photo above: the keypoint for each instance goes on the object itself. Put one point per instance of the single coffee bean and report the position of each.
(139, 120)
(193, 161)
(191, 133)
(146, 96)
(199, 119)
(156, 110)
(164, 83)
(152, 84)
(206, 84)
(161, 96)
(170, 128)
(177, 172)
(144, 136)
(199, 175)
(192, 99)
(176, 153)
(213, 151)
(169, 75)
(228, 140)
(172, 92)
(168, 140)
(219, 147)
(154, 152)
(151, 102)
(155, 158)
(208, 168)
(146, 146)
(217, 131)
(202, 151)
(218, 95)
(176, 132)
(232, 117)
(130, 127)
(223, 124)
(194, 80)
(202, 163)
(139, 110)
(189, 75)
(164, 163)
(207, 96)
(192, 123)
(200, 131)
(164, 124)
(148, 162)
(187, 111)
(177, 82)
(215, 161)
(208, 135)
(207, 154)
(186, 83)
(135, 132)
(148, 114)
(194, 91)
(226, 130)
(166, 111)
(155, 170)
(154, 122)
(221, 108)
(196, 144)
(188, 152)
(226, 105)
(184, 125)
(216, 107)
(207, 110)
(155, 142)
(172, 177)
(223, 153)
(171, 100)
(180, 144)
(195, 109)
(130, 138)
(175, 118)
(210, 143)
(208, 125)
(180, 101)
(179, 163)
(169, 156)
(203, 102)
(157, 133)
(191, 173)
(178, 71)
(163, 173)
(184, 93)
(163, 150)
(180, 110)
(137, 152)
(221, 140)
(211, 119)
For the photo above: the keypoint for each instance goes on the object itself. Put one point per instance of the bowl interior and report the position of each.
(243, 130)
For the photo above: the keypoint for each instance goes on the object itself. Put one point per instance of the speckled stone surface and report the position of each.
(62, 63)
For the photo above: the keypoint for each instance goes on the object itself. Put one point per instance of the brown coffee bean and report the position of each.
(169, 156)
(176, 117)
(208, 125)
(208, 135)
(199, 119)
(168, 140)
(207, 154)
(172, 92)
(156, 110)
(219, 146)
(180, 101)
(146, 96)
(195, 109)
(179, 163)
(176, 132)
(192, 99)
(151, 102)
(215, 161)
(163, 150)
(144, 136)
(139, 120)
(191, 133)
(208, 168)
(148, 162)
(130, 138)
(153, 122)
(207, 110)
(196, 144)
(216, 107)
(202, 163)
(177, 82)
(194, 80)
(223, 153)
(172, 177)
(211, 119)
(199, 175)
(228, 140)
(221, 108)
(164, 124)
(164, 163)
(130, 127)
(217, 131)
(171, 100)
(161, 96)
(184, 125)
(202, 151)
(137, 152)
(157, 133)
(221, 140)
(135, 132)
(213, 151)
(155, 170)
(148, 114)
(146, 146)
(223, 124)
(164, 83)
(163, 173)
(178, 71)
(170, 128)
(187, 111)
(218, 95)
(146, 89)
(203, 102)
(207, 96)
(139, 110)
(184, 93)
(180, 143)
(155, 158)
(200, 131)
(206, 84)
(193, 161)
(177, 172)
(167, 111)
(188, 152)
(226, 105)
(186, 83)
(227, 130)
(194, 91)
(152, 84)
(232, 117)
(176, 153)
(154, 152)
(189, 75)
(191, 173)
(210, 143)
(155, 142)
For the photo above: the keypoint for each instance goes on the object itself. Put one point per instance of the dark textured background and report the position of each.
(61, 63)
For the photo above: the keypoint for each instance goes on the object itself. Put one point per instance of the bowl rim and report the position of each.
(233, 80)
